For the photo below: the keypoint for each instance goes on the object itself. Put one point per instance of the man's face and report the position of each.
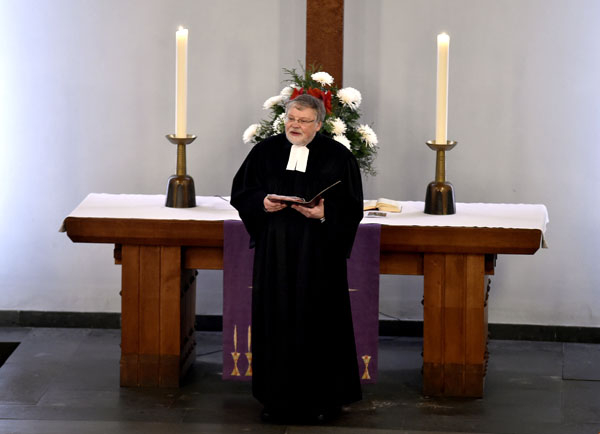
(297, 131)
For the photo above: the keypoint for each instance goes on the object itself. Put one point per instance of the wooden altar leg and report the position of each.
(455, 325)
(156, 342)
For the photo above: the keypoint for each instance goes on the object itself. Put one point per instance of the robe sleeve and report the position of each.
(247, 195)
(344, 209)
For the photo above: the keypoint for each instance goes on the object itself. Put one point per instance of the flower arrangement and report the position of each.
(341, 122)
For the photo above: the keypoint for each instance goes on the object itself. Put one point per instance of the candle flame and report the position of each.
(443, 37)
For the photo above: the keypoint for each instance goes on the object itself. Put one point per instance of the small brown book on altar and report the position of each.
(295, 200)
(383, 204)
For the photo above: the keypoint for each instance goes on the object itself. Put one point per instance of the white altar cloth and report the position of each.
(487, 215)
(152, 206)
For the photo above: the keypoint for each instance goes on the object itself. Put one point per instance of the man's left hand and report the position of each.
(317, 212)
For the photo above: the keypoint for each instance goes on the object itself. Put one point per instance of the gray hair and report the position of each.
(308, 101)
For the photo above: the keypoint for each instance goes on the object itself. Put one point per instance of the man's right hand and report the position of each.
(271, 206)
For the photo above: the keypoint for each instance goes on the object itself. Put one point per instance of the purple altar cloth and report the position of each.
(363, 280)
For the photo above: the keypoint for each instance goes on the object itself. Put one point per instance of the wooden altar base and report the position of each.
(159, 259)
(454, 325)
(157, 318)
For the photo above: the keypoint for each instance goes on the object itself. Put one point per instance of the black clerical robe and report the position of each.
(303, 350)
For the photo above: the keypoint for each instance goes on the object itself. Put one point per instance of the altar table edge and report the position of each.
(208, 236)
(218, 208)
(143, 219)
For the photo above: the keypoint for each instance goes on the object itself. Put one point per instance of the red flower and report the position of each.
(327, 101)
(295, 93)
(317, 93)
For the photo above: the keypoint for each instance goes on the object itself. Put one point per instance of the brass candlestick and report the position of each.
(180, 187)
(439, 199)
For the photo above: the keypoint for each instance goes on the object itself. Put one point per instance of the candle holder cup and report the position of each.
(180, 187)
(439, 199)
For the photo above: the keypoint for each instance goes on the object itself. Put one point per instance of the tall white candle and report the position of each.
(181, 83)
(441, 113)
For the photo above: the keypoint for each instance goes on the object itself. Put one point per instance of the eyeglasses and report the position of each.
(300, 121)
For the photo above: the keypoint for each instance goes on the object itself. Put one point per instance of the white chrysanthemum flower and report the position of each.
(250, 133)
(323, 78)
(286, 92)
(343, 140)
(279, 123)
(368, 135)
(273, 101)
(350, 97)
(338, 127)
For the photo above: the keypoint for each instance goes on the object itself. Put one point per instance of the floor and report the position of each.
(67, 381)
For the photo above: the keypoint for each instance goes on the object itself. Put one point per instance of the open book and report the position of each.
(291, 200)
(383, 204)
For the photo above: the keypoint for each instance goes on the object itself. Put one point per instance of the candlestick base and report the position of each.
(181, 192)
(439, 199)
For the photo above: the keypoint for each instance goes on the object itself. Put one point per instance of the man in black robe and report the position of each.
(303, 351)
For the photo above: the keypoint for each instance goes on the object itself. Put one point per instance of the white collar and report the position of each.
(298, 158)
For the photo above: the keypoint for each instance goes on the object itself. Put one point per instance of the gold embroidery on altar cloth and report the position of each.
(249, 353)
(366, 360)
(235, 354)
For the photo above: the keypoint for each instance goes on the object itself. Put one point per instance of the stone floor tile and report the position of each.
(581, 402)
(128, 427)
(67, 380)
(581, 362)
(535, 358)
(13, 334)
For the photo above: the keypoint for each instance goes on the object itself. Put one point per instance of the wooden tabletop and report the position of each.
(415, 239)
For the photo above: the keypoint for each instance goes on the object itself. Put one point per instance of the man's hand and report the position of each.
(271, 206)
(317, 212)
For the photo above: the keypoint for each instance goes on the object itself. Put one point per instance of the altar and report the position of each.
(160, 248)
